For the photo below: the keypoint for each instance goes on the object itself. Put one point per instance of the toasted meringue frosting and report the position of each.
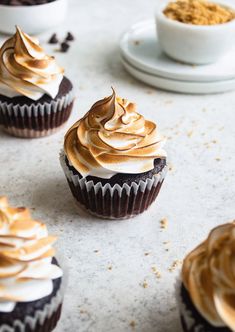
(26, 269)
(209, 276)
(26, 70)
(113, 138)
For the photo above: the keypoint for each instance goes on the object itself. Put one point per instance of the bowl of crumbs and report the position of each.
(33, 16)
(196, 31)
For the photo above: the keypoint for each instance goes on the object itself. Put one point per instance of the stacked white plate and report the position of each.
(143, 58)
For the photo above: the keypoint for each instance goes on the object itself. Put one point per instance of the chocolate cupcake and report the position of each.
(113, 160)
(31, 290)
(36, 99)
(206, 293)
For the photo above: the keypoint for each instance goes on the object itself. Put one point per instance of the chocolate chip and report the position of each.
(64, 47)
(69, 37)
(53, 39)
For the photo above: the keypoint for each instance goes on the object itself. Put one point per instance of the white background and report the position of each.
(197, 194)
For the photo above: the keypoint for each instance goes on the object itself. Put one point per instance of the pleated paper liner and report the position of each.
(191, 319)
(113, 202)
(36, 120)
(43, 320)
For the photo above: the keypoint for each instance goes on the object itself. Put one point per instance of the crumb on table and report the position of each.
(164, 223)
(174, 265)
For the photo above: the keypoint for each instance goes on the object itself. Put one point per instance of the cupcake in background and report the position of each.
(31, 291)
(207, 292)
(113, 160)
(36, 98)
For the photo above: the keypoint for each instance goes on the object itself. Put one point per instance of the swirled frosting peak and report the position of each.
(113, 138)
(26, 70)
(209, 276)
(26, 269)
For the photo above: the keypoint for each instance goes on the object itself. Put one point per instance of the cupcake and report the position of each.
(207, 290)
(36, 99)
(113, 160)
(30, 277)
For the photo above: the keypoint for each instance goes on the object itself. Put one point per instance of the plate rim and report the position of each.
(147, 24)
(201, 87)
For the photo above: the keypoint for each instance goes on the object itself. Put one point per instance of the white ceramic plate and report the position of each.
(140, 47)
(177, 85)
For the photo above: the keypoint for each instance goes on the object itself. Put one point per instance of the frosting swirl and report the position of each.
(209, 276)
(26, 70)
(113, 138)
(26, 252)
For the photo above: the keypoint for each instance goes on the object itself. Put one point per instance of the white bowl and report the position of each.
(32, 19)
(195, 44)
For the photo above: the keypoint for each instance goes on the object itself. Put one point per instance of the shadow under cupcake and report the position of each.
(113, 160)
(36, 98)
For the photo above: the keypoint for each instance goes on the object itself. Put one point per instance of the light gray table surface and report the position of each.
(105, 290)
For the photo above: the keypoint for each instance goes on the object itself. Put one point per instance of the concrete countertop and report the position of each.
(113, 284)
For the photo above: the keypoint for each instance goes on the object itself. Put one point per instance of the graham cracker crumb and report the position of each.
(156, 272)
(83, 311)
(198, 12)
(168, 102)
(144, 284)
(174, 265)
(217, 159)
(166, 242)
(171, 167)
(164, 223)
(189, 134)
(110, 267)
(132, 324)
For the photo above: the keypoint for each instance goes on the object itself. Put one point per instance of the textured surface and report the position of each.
(107, 261)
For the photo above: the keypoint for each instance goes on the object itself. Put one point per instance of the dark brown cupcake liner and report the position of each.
(36, 120)
(113, 202)
(186, 316)
(44, 320)
(191, 319)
